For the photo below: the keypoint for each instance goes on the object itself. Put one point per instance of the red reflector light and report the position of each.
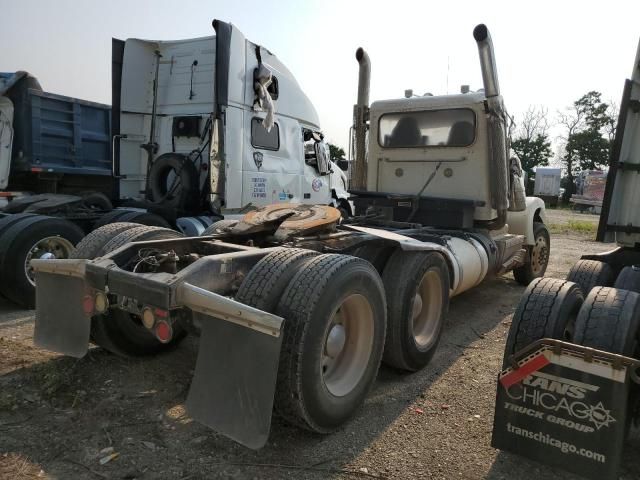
(163, 331)
(88, 304)
(161, 313)
(36, 169)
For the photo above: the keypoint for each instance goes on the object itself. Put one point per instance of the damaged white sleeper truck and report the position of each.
(296, 310)
(65, 163)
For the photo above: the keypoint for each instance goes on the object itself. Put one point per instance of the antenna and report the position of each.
(447, 74)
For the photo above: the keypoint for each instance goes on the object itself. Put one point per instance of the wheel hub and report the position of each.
(539, 254)
(48, 248)
(335, 341)
(348, 345)
(426, 311)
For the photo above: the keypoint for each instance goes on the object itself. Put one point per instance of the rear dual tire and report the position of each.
(335, 318)
(417, 290)
(117, 331)
(547, 309)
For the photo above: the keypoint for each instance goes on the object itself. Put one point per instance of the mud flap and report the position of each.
(61, 324)
(565, 406)
(235, 380)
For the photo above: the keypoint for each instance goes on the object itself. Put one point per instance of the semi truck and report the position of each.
(571, 360)
(155, 154)
(295, 310)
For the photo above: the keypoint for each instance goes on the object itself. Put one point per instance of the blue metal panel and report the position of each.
(65, 135)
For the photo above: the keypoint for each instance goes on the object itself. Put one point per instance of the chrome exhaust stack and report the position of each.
(497, 127)
(360, 119)
(487, 61)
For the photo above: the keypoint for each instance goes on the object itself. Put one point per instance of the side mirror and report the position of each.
(343, 163)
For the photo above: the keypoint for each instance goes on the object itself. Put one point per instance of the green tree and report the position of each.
(586, 123)
(532, 152)
(531, 141)
(335, 152)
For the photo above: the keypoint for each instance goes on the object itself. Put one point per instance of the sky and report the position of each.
(549, 53)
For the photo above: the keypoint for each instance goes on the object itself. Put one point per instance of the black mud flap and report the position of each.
(565, 406)
(234, 382)
(61, 324)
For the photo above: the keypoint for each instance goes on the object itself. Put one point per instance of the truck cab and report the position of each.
(227, 114)
(445, 162)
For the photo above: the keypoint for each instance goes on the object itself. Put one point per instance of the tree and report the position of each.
(585, 146)
(335, 152)
(531, 142)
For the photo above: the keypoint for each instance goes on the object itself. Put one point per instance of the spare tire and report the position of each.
(173, 181)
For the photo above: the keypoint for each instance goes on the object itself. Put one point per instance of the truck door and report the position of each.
(272, 163)
(316, 181)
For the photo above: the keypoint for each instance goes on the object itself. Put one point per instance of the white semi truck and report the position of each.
(189, 141)
(295, 311)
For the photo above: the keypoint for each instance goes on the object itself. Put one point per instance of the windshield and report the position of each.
(448, 128)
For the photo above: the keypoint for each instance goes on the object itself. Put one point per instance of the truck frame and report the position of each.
(296, 307)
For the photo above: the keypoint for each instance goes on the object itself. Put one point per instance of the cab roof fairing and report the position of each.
(292, 101)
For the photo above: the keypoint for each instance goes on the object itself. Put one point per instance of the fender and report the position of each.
(412, 244)
(521, 223)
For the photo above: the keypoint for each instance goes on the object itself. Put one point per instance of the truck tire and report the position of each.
(629, 279)
(609, 320)
(547, 309)
(219, 227)
(144, 218)
(538, 257)
(417, 287)
(110, 217)
(591, 273)
(333, 341)
(186, 193)
(32, 237)
(138, 234)
(97, 201)
(376, 254)
(265, 282)
(120, 332)
(11, 219)
(91, 245)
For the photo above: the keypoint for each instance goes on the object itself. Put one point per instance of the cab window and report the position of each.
(260, 138)
(441, 128)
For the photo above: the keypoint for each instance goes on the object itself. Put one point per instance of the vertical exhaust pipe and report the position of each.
(360, 118)
(487, 61)
(364, 77)
(497, 127)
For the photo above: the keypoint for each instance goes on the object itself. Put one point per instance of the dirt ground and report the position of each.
(57, 414)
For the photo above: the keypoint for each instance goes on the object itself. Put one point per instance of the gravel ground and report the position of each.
(57, 414)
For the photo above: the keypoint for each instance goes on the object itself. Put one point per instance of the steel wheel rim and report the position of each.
(347, 346)
(426, 310)
(51, 248)
(539, 254)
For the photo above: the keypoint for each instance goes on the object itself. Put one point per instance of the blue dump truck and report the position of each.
(57, 179)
